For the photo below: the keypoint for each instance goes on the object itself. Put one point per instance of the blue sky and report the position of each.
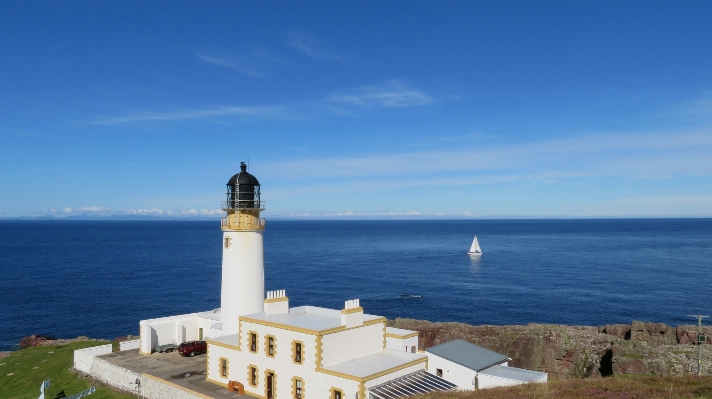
(357, 109)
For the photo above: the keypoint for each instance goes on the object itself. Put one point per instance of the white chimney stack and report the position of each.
(352, 314)
(276, 302)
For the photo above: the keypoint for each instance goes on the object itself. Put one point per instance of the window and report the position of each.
(253, 376)
(439, 372)
(297, 352)
(298, 389)
(227, 242)
(412, 349)
(337, 394)
(270, 349)
(253, 342)
(223, 367)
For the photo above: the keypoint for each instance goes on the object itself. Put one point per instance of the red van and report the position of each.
(192, 348)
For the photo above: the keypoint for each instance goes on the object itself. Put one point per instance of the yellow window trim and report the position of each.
(274, 345)
(339, 390)
(249, 376)
(294, 387)
(249, 341)
(227, 367)
(294, 351)
(274, 382)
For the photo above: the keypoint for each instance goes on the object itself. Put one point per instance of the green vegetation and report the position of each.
(22, 373)
(634, 387)
(633, 356)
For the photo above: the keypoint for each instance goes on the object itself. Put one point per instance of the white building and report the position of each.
(473, 367)
(277, 351)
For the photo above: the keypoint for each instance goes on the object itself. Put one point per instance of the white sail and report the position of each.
(475, 248)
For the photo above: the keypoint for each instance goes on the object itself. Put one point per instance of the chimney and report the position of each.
(352, 314)
(276, 302)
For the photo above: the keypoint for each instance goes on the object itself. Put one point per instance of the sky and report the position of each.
(385, 109)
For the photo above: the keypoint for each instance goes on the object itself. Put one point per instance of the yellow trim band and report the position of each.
(352, 310)
(272, 300)
(306, 330)
(389, 335)
(222, 344)
(375, 375)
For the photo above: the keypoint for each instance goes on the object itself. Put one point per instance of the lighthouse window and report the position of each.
(227, 242)
(253, 376)
(336, 394)
(270, 346)
(298, 384)
(297, 352)
(253, 342)
(223, 367)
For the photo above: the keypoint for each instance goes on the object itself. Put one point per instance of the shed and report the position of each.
(471, 366)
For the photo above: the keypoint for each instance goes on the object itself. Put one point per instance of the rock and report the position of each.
(33, 340)
(621, 331)
(687, 334)
(652, 332)
(575, 351)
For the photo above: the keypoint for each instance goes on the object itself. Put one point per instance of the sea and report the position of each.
(99, 278)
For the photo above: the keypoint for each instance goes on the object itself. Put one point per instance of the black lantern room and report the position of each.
(243, 191)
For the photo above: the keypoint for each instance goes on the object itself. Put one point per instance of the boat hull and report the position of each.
(475, 253)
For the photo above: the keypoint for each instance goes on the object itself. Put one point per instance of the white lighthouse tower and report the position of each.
(243, 281)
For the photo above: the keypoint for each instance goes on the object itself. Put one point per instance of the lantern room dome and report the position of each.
(243, 177)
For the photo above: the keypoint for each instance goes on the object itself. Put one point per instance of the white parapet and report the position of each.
(128, 345)
(84, 358)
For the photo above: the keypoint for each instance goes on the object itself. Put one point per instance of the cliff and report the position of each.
(579, 351)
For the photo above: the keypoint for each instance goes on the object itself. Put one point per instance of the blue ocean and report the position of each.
(99, 278)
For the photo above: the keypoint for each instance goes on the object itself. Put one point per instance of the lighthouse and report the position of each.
(243, 281)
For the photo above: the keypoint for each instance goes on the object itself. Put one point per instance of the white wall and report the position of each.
(172, 330)
(133, 344)
(84, 358)
(459, 375)
(352, 343)
(490, 381)
(243, 283)
(282, 362)
(402, 345)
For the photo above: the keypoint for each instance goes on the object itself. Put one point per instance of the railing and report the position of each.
(224, 222)
(241, 204)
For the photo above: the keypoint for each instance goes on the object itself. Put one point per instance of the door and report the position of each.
(270, 386)
(200, 334)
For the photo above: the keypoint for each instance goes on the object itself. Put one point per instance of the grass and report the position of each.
(622, 387)
(29, 367)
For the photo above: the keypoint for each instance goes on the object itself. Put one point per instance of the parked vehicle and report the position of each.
(166, 348)
(192, 348)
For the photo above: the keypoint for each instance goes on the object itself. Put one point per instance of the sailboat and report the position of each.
(475, 248)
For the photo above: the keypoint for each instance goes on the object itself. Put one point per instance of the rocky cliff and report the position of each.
(579, 351)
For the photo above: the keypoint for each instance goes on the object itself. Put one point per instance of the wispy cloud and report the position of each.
(236, 63)
(195, 113)
(394, 93)
(656, 155)
(310, 46)
(99, 211)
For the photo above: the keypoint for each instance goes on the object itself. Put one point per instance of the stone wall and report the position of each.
(84, 358)
(125, 379)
